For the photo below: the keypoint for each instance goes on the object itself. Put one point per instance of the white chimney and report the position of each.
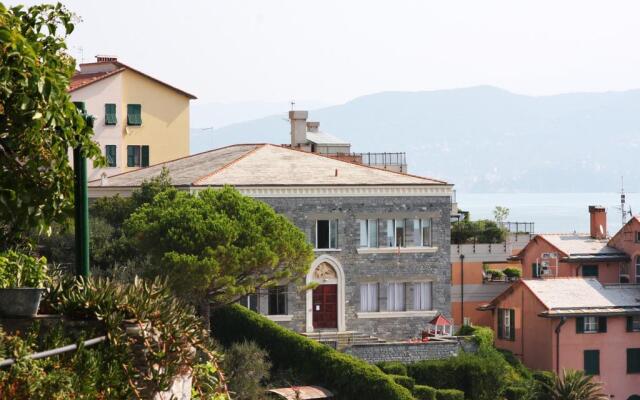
(298, 127)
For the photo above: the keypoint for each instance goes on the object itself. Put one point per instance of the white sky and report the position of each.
(332, 51)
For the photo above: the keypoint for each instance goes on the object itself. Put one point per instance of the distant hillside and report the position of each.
(482, 139)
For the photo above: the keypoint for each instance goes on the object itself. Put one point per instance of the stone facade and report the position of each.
(411, 352)
(380, 265)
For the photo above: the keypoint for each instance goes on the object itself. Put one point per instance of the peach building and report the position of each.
(573, 323)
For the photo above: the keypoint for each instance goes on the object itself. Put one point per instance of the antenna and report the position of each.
(623, 201)
(293, 105)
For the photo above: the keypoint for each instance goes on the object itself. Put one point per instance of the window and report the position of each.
(633, 361)
(369, 297)
(399, 226)
(110, 155)
(637, 269)
(637, 236)
(391, 238)
(591, 324)
(422, 296)
(250, 301)
(327, 234)
(592, 362)
(425, 224)
(624, 272)
(368, 232)
(506, 324)
(590, 271)
(134, 114)
(408, 233)
(137, 156)
(278, 300)
(535, 270)
(110, 114)
(633, 323)
(395, 296)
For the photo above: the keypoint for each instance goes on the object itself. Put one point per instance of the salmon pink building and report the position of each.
(573, 323)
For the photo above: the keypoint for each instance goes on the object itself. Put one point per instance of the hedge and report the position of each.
(404, 380)
(423, 392)
(347, 377)
(515, 393)
(449, 394)
(392, 367)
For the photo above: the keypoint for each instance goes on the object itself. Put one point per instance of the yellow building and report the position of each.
(140, 120)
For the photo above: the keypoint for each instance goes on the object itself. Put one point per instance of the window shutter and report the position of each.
(592, 362)
(110, 114)
(134, 114)
(580, 325)
(602, 324)
(633, 361)
(534, 270)
(145, 156)
(110, 151)
(629, 324)
(131, 156)
(512, 322)
(500, 323)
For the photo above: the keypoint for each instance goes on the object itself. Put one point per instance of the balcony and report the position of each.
(396, 162)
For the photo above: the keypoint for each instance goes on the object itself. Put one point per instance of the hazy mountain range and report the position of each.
(482, 139)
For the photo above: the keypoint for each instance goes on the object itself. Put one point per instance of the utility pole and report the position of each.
(81, 202)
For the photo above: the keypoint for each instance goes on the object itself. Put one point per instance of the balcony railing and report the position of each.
(374, 159)
(518, 227)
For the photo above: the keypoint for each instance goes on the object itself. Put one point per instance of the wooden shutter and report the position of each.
(512, 322)
(602, 324)
(110, 151)
(500, 323)
(633, 361)
(145, 156)
(630, 324)
(131, 158)
(580, 325)
(592, 362)
(534, 270)
(110, 114)
(134, 114)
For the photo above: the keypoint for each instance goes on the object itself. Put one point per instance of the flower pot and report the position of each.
(20, 302)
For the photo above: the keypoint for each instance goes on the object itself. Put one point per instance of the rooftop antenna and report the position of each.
(293, 105)
(623, 200)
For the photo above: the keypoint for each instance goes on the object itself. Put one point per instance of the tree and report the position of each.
(218, 244)
(38, 121)
(574, 385)
(500, 214)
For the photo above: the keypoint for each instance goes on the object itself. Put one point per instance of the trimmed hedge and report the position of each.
(403, 380)
(392, 367)
(449, 394)
(423, 392)
(347, 377)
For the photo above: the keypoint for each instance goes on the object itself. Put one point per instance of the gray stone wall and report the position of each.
(410, 352)
(380, 268)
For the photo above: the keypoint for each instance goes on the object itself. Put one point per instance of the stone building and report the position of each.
(381, 238)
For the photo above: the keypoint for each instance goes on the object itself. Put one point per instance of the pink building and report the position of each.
(576, 323)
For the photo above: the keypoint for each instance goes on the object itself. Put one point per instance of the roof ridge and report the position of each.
(229, 163)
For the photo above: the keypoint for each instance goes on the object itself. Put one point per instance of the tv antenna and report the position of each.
(293, 105)
(623, 206)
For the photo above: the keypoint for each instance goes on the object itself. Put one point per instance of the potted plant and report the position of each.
(512, 273)
(22, 278)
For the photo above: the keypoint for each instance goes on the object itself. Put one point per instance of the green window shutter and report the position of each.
(602, 324)
(629, 324)
(534, 270)
(134, 114)
(131, 156)
(110, 114)
(592, 362)
(633, 361)
(145, 156)
(512, 321)
(580, 325)
(500, 323)
(110, 153)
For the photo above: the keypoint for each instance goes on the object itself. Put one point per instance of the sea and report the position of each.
(550, 212)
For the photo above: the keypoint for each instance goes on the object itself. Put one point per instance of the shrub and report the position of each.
(495, 274)
(449, 394)
(347, 377)
(423, 392)
(21, 270)
(512, 272)
(515, 393)
(466, 330)
(392, 367)
(404, 380)
(246, 367)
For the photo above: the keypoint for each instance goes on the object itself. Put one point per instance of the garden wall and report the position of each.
(411, 352)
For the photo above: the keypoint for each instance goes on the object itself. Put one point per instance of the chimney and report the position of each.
(312, 126)
(298, 127)
(105, 58)
(598, 218)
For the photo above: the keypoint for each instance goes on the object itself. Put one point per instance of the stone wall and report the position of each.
(410, 352)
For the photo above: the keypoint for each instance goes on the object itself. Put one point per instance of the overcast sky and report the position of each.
(332, 51)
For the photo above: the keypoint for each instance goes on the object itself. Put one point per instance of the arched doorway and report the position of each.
(325, 303)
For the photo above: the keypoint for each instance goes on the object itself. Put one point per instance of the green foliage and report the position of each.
(500, 214)
(246, 367)
(423, 392)
(404, 380)
(449, 394)
(21, 270)
(482, 231)
(38, 121)
(542, 382)
(495, 273)
(512, 272)
(347, 377)
(483, 336)
(392, 367)
(466, 330)
(516, 393)
(573, 385)
(218, 242)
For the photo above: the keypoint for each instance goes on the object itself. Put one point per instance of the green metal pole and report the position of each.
(81, 203)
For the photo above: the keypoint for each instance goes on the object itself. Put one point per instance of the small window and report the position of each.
(137, 156)
(110, 114)
(426, 232)
(368, 232)
(592, 362)
(250, 301)
(633, 361)
(506, 324)
(278, 300)
(327, 234)
(395, 296)
(422, 296)
(134, 114)
(400, 230)
(369, 297)
(391, 238)
(633, 323)
(591, 324)
(110, 155)
(590, 271)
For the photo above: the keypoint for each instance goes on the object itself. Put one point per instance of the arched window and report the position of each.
(637, 269)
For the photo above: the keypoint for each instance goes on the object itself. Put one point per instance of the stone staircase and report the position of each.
(340, 340)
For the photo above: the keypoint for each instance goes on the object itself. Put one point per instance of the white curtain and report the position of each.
(395, 296)
(422, 296)
(369, 297)
(363, 233)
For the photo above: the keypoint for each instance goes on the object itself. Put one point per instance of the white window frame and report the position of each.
(333, 233)
(635, 323)
(506, 323)
(420, 302)
(366, 232)
(369, 297)
(396, 296)
(422, 243)
(590, 324)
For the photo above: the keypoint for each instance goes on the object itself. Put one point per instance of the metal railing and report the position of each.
(54, 352)
(518, 227)
(383, 158)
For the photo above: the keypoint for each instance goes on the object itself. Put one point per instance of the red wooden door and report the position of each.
(325, 306)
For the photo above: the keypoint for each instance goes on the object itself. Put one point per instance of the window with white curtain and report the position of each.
(422, 295)
(395, 296)
(368, 232)
(369, 297)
